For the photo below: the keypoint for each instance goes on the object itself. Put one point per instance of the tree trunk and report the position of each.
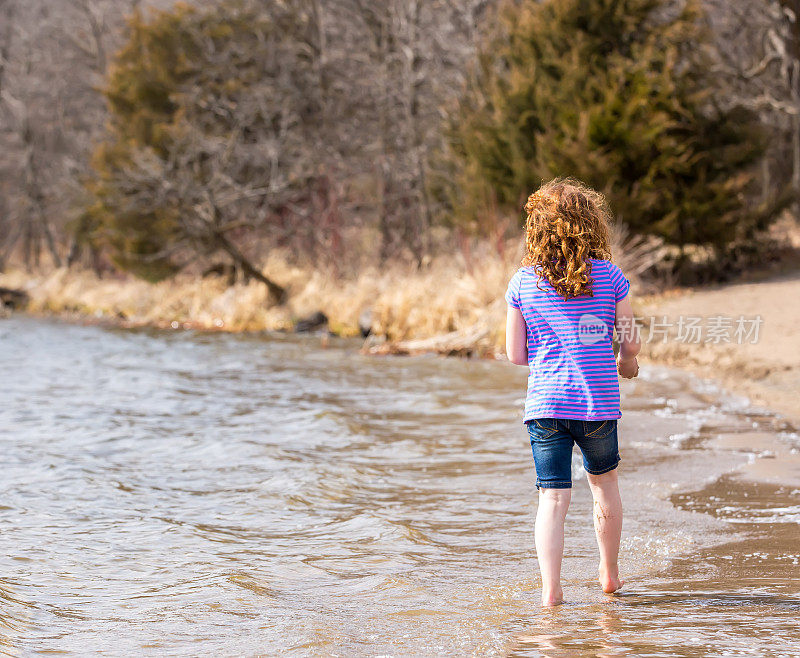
(277, 293)
(48, 236)
(74, 252)
(793, 6)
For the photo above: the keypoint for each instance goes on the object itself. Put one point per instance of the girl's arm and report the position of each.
(629, 343)
(516, 337)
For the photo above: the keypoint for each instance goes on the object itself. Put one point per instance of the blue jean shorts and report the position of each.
(552, 440)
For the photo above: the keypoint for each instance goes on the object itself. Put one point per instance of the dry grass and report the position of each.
(204, 303)
(451, 295)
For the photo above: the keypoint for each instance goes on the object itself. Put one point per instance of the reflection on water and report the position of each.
(190, 493)
(675, 623)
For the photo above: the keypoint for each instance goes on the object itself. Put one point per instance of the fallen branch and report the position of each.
(455, 343)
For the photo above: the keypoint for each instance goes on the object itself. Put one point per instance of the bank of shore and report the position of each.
(450, 308)
(453, 301)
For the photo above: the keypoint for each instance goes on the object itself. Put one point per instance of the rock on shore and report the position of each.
(13, 299)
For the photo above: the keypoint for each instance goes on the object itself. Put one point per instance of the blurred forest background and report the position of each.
(151, 139)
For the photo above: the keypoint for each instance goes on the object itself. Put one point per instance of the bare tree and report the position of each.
(758, 51)
(53, 56)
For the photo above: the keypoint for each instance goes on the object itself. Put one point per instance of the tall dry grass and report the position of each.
(452, 294)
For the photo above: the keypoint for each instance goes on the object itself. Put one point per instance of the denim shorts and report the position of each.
(552, 440)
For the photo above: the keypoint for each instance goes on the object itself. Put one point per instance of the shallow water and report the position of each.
(178, 493)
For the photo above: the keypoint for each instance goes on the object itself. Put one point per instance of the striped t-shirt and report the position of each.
(572, 369)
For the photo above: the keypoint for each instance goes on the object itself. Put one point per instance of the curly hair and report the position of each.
(568, 223)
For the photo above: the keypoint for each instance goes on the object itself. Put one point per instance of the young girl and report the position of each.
(563, 305)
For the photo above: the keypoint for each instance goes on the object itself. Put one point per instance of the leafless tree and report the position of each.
(757, 48)
(53, 56)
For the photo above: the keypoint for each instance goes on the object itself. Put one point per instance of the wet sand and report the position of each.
(734, 586)
(757, 571)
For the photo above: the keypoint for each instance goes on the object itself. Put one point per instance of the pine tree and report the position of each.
(616, 93)
(211, 110)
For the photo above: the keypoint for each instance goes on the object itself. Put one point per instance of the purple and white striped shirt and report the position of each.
(572, 369)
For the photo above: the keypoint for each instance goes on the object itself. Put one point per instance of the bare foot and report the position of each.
(609, 580)
(551, 599)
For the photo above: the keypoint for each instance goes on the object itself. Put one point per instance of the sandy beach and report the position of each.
(766, 370)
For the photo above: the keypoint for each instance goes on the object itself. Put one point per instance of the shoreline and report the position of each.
(766, 372)
(770, 460)
(447, 297)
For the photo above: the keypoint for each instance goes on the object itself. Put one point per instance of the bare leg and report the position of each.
(608, 527)
(553, 505)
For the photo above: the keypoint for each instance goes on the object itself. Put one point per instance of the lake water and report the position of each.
(181, 493)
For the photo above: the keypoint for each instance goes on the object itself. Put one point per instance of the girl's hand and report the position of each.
(627, 368)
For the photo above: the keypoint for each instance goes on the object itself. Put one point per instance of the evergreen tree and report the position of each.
(616, 93)
(210, 114)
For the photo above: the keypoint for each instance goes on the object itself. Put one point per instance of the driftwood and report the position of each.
(13, 299)
(455, 343)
